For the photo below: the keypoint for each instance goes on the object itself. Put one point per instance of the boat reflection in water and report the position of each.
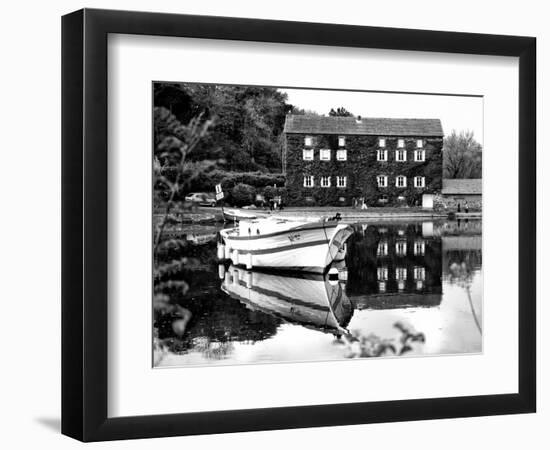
(403, 289)
(315, 301)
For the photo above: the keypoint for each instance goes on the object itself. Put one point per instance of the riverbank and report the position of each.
(209, 215)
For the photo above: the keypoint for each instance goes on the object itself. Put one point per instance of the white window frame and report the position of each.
(383, 152)
(420, 152)
(382, 249)
(322, 183)
(401, 273)
(398, 152)
(339, 154)
(404, 181)
(401, 248)
(341, 178)
(324, 151)
(400, 143)
(385, 183)
(420, 143)
(382, 273)
(382, 142)
(309, 177)
(308, 141)
(341, 141)
(419, 273)
(422, 182)
(419, 248)
(308, 151)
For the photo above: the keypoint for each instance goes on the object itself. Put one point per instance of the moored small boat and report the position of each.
(277, 243)
(236, 215)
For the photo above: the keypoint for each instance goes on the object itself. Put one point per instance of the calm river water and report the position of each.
(406, 289)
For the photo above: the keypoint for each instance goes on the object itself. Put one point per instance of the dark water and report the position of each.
(406, 288)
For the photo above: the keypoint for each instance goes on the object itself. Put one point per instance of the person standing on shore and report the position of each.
(363, 203)
(458, 208)
(354, 202)
(466, 207)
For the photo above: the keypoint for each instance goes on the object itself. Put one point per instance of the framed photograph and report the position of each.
(273, 224)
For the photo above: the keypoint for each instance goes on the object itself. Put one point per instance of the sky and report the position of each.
(456, 112)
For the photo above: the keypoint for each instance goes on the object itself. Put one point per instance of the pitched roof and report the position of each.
(462, 186)
(364, 126)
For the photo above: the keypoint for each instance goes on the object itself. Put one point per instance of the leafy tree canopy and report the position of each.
(247, 130)
(339, 112)
(462, 156)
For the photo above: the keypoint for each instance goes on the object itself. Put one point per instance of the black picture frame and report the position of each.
(84, 224)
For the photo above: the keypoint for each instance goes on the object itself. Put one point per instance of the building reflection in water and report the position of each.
(394, 266)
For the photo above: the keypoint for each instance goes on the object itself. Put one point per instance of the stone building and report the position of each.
(332, 160)
(462, 192)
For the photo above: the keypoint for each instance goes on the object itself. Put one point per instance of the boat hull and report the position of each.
(309, 247)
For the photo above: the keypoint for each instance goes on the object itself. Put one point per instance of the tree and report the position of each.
(171, 168)
(248, 127)
(461, 155)
(297, 111)
(340, 112)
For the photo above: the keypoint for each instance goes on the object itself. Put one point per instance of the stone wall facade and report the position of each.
(361, 169)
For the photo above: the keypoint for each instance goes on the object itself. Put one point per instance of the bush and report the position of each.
(269, 192)
(243, 194)
(206, 181)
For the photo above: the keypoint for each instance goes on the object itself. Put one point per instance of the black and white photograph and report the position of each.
(299, 224)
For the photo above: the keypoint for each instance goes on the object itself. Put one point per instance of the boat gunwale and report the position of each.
(304, 227)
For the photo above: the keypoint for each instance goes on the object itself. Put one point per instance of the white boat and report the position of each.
(236, 215)
(312, 300)
(278, 243)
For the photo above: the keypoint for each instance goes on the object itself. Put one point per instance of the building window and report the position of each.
(382, 181)
(419, 143)
(382, 155)
(401, 155)
(382, 249)
(382, 273)
(308, 141)
(401, 181)
(381, 142)
(325, 155)
(325, 181)
(341, 155)
(400, 143)
(341, 141)
(419, 273)
(420, 155)
(419, 248)
(419, 182)
(341, 182)
(381, 286)
(401, 248)
(401, 273)
(383, 199)
(307, 154)
(308, 181)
